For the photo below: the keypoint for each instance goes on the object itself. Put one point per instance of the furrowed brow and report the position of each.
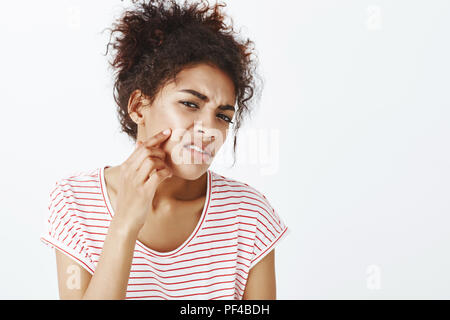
(205, 98)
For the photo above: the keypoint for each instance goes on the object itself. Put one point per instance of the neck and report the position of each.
(177, 191)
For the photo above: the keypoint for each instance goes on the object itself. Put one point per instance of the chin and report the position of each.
(189, 171)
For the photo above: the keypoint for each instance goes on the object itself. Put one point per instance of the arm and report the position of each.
(73, 279)
(261, 282)
(139, 178)
(110, 278)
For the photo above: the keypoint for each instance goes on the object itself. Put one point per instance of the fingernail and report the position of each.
(167, 131)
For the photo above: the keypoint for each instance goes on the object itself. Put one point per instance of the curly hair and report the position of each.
(159, 38)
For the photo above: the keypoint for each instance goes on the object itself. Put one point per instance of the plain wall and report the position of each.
(350, 139)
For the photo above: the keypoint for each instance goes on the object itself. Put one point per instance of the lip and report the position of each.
(205, 148)
(204, 156)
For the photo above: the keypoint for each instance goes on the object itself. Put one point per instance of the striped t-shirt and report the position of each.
(237, 228)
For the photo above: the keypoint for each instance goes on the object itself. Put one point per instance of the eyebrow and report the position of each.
(205, 98)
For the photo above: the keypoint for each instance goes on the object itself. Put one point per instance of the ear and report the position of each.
(135, 104)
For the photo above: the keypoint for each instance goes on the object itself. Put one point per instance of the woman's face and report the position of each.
(197, 107)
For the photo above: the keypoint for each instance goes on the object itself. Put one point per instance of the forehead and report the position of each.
(207, 79)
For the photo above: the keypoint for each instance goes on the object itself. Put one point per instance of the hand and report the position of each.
(139, 178)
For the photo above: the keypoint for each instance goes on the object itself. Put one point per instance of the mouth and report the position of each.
(196, 149)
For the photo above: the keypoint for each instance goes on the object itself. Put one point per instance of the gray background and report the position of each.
(350, 139)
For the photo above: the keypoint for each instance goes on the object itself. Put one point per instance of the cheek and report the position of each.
(173, 117)
(174, 146)
(222, 136)
(161, 117)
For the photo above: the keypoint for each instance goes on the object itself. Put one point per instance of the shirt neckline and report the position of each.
(139, 243)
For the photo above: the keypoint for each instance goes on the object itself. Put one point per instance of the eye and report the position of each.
(187, 102)
(190, 104)
(227, 119)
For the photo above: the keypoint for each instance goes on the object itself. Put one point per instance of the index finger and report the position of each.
(158, 138)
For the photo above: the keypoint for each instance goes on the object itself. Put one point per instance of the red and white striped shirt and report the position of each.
(237, 228)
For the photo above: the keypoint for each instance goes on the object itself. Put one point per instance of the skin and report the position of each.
(179, 200)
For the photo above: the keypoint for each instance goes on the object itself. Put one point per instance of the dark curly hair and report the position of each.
(161, 37)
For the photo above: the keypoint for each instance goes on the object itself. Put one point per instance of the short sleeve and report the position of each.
(270, 230)
(63, 230)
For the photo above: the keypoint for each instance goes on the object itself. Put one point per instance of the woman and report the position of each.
(161, 225)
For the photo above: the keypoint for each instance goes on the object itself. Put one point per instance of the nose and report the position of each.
(206, 133)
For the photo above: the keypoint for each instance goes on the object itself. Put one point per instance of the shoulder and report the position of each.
(74, 190)
(80, 175)
(260, 225)
(225, 182)
(67, 219)
(77, 180)
(77, 200)
(234, 185)
(249, 197)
